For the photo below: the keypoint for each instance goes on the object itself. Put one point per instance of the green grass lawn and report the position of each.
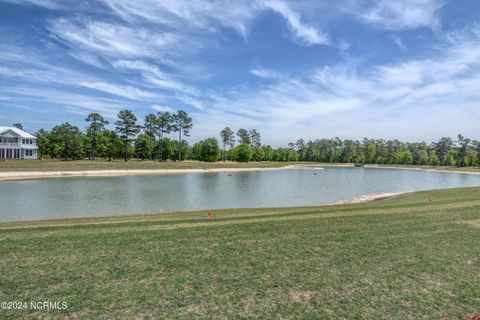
(404, 258)
(460, 169)
(59, 165)
(102, 164)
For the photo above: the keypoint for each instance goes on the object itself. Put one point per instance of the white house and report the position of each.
(17, 144)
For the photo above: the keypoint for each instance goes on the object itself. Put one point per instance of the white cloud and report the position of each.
(44, 74)
(173, 17)
(399, 42)
(88, 58)
(120, 90)
(277, 110)
(194, 102)
(49, 4)
(58, 100)
(53, 75)
(154, 76)
(343, 46)
(114, 40)
(199, 16)
(265, 73)
(417, 97)
(402, 14)
(409, 73)
(188, 15)
(153, 46)
(160, 108)
(303, 32)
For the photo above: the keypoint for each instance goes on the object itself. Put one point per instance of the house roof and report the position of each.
(17, 131)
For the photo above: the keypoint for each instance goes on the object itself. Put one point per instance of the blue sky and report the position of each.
(312, 69)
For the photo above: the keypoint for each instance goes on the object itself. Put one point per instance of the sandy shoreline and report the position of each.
(24, 175)
(373, 197)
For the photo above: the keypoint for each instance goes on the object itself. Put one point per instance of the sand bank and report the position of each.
(22, 175)
(373, 197)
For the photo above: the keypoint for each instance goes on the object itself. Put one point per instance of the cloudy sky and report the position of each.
(406, 69)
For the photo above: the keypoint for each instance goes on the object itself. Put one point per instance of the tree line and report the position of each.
(129, 139)
(151, 141)
(460, 152)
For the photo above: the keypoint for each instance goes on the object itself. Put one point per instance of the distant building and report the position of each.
(17, 144)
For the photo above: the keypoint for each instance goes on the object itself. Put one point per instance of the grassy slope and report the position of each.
(459, 169)
(397, 259)
(59, 165)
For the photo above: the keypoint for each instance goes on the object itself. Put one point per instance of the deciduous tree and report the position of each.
(68, 141)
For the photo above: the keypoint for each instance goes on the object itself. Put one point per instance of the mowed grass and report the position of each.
(135, 164)
(102, 164)
(426, 167)
(404, 258)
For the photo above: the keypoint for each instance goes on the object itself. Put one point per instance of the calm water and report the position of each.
(77, 197)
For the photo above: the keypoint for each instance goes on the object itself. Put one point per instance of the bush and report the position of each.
(242, 153)
(207, 150)
(258, 154)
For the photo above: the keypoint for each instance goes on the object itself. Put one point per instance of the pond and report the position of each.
(81, 197)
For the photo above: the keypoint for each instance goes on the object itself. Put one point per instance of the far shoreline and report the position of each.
(43, 174)
(48, 174)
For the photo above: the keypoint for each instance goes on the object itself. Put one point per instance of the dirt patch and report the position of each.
(475, 316)
(473, 223)
(300, 296)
